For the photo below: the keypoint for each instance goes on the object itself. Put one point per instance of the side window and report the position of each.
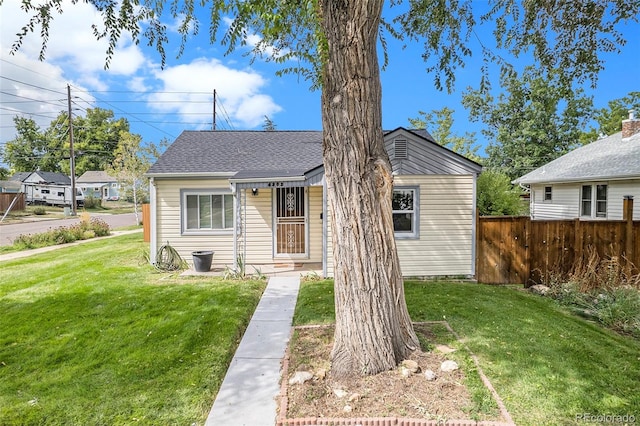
(547, 193)
(601, 201)
(593, 201)
(585, 201)
(405, 212)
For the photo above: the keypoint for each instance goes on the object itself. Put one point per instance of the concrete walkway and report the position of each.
(248, 393)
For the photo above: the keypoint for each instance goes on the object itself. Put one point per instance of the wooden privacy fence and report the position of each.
(7, 197)
(146, 222)
(519, 250)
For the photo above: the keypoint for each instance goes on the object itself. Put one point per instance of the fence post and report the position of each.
(627, 215)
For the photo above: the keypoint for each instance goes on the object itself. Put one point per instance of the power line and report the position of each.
(32, 85)
(132, 117)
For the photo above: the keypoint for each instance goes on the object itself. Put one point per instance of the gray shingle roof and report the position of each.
(245, 154)
(20, 176)
(97, 176)
(608, 158)
(251, 153)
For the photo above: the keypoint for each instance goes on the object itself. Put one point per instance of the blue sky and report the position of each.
(161, 103)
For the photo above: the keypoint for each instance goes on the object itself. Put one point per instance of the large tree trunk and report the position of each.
(373, 328)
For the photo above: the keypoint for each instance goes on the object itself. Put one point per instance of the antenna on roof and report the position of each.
(213, 126)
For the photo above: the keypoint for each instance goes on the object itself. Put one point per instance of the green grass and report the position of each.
(547, 364)
(90, 335)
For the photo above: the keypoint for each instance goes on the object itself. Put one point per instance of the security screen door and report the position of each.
(291, 219)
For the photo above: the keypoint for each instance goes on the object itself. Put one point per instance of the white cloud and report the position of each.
(71, 41)
(238, 91)
(41, 99)
(74, 56)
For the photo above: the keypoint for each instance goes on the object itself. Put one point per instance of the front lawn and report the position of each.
(549, 366)
(92, 335)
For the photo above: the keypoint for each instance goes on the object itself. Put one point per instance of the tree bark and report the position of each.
(373, 329)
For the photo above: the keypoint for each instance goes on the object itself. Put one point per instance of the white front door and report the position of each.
(291, 220)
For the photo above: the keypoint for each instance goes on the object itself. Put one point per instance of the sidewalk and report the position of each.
(248, 393)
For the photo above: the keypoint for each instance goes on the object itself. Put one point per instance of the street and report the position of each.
(8, 232)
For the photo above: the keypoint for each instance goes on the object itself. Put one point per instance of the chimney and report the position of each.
(631, 126)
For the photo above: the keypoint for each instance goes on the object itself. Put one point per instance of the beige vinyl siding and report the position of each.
(564, 204)
(445, 246)
(446, 227)
(315, 224)
(168, 219)
(259, 227)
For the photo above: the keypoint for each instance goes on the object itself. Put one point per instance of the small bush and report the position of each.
(91, 202)
(39, 211)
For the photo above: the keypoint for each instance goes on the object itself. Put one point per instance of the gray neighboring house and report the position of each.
(99, 184)
(261, 196)
(589, 182)
(47, 188)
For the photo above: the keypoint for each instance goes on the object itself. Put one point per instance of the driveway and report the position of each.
(8, 232)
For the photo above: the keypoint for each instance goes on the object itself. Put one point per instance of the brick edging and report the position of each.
(282, 420)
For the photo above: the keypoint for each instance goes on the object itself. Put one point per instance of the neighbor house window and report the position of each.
(593, 202)
(207, 211)
(547, 193)
(405, 212)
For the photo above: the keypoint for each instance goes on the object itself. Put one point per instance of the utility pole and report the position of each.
(72, 154)
(214, 110)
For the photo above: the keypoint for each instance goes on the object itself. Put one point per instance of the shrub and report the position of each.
(605, 290)
(100, 227)
(39, 211)
(91, 202)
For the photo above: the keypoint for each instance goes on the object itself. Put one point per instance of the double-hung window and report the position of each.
(206, 211)
(593, 201)
(405, 212)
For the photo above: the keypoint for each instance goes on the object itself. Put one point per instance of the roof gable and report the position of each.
(612, 157)
(423, 156)
(47, 178)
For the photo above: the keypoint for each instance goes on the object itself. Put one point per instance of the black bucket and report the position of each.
(202, 260)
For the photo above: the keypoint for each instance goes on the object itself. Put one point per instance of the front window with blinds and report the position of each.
(207, 211)
(405, 212)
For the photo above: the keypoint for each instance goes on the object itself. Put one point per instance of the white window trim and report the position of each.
(594, 201)
(183, 212)
(544, 194)
(415, 235)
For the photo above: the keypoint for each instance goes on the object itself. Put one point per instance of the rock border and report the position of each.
(282, 420)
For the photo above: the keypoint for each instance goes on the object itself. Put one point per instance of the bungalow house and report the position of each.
(100, 185)
(261, 196)
(589, 182)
